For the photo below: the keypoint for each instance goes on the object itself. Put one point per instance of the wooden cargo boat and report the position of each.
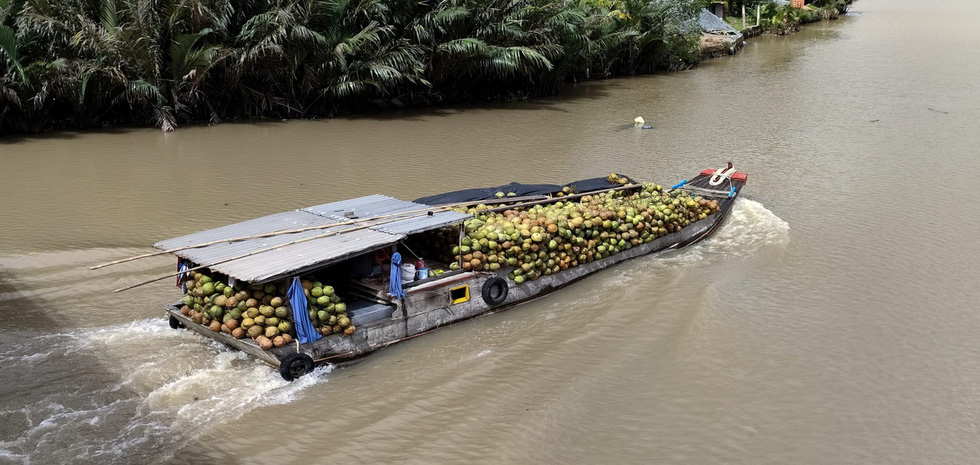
(290, 244)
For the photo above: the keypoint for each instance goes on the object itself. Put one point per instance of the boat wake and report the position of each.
(138, 403)
(750, 232)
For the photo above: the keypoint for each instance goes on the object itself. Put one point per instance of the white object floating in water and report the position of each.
(638, 121)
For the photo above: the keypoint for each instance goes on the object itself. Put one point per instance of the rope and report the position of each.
(702, 190)
(720, 175)
(403, 244)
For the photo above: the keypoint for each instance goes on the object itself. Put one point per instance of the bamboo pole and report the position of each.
(271, 234)
(438, 208)
(256, 252)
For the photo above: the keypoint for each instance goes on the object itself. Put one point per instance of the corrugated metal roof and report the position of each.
(381, 205)
(277, 222)
(423, 223)
(711, 23)
(278, 256)
(367, 206)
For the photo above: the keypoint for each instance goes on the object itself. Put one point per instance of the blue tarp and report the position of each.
(305, 332)
(182, 266)
(395, 286)
(520, 190)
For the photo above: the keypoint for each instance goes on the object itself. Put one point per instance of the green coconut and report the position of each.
(254, 331)
(216, 311)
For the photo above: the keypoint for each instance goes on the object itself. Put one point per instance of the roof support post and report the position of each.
(460, 245)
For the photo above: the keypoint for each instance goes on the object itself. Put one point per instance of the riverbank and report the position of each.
(782, 17)
(130, 66)
(727, 36)
(166, 65)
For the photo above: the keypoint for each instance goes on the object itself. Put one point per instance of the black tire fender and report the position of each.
(295, 365)
(495, 291)
(175, 323)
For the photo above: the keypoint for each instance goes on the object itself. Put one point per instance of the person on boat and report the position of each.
(371, 264)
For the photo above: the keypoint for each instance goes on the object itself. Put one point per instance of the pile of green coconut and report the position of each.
(261, 311)
(327, 312)
(543, 239)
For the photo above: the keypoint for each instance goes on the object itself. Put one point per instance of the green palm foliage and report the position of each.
(88, 63)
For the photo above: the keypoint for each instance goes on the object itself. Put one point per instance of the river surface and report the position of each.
(834, 318)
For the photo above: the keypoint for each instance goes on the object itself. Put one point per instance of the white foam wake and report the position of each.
(750, 229)
(160, 388)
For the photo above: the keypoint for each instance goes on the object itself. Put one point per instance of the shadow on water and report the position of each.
(11, 139)
(63, 134)
(591, 90)
(587, 90)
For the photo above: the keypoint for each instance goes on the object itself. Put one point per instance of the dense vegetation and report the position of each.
(784, 19)
(87, 63)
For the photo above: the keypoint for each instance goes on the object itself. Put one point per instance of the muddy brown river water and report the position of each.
(834, 319)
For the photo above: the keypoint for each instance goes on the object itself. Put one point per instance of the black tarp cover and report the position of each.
(520, 190)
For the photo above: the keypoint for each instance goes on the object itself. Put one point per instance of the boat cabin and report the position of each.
(350, 245)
